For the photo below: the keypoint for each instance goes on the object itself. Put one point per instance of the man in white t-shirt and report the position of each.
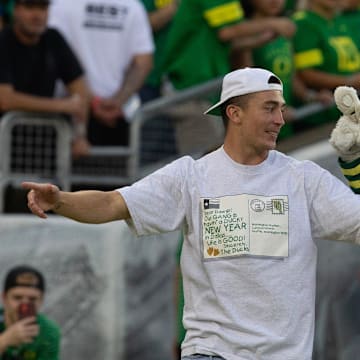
(249, 214)
(113, 40)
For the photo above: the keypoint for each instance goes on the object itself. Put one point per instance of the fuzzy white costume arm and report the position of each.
(345, 137)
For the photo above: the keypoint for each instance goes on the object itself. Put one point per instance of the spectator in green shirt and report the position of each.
(25, 333)
(326, 55)
(198, 49)
(158, 133)
(199, 42)
(350, 10)
(277, 56)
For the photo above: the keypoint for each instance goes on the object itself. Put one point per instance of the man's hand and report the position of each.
(22, 332)
(345, 137)
(41, 197)
(80, 147)
(107, 111)
(283, 26)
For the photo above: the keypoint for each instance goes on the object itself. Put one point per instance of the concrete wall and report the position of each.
(111, 292)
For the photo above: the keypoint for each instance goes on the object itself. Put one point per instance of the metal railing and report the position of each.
(34, 147)
(105, 165)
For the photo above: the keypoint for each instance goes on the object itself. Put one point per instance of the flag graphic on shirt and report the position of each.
(211, 204)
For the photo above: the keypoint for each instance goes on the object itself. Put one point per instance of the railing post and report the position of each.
(135, 135)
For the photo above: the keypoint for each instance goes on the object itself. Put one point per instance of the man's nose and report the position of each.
(279, 118)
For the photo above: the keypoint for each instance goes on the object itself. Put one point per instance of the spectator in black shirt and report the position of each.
(33, 58)
(1, 16)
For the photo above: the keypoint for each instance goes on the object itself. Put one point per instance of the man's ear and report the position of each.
(234, 113)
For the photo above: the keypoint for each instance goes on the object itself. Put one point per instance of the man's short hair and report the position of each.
(24, 275)
(241, 100)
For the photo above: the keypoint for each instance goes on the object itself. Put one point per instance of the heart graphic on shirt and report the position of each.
(210, 250)
(216, 252)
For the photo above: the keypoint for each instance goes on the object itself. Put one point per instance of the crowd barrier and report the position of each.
(35, 147)
(41, 144)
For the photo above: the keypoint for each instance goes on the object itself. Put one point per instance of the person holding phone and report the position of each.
(24, 332)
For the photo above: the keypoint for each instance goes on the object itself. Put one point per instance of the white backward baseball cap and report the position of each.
(245, 81)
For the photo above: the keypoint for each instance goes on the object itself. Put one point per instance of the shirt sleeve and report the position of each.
(222, 13)
(307, 51)
(156, 203)
(333, 207)
(141, 41)
(5, 60)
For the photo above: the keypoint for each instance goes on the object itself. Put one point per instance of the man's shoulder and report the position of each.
(297, 161)
(53, 40)
(51, 34)
(132, 5)
(7, 34)
(303, 15)
(48, 325)
(182, 162)
(309, 18)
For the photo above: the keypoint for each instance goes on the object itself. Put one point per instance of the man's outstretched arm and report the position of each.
(87, 206)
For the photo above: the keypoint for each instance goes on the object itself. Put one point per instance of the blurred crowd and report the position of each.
(92, 61)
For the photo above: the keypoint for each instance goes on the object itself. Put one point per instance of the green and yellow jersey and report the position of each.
(325, 45)
(160, 37)
(46, 346)
(194, 54)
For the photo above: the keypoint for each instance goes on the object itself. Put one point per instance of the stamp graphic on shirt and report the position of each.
(245, 225)
(277, 206)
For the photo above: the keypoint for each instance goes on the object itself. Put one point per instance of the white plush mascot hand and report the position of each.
(345, 137)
